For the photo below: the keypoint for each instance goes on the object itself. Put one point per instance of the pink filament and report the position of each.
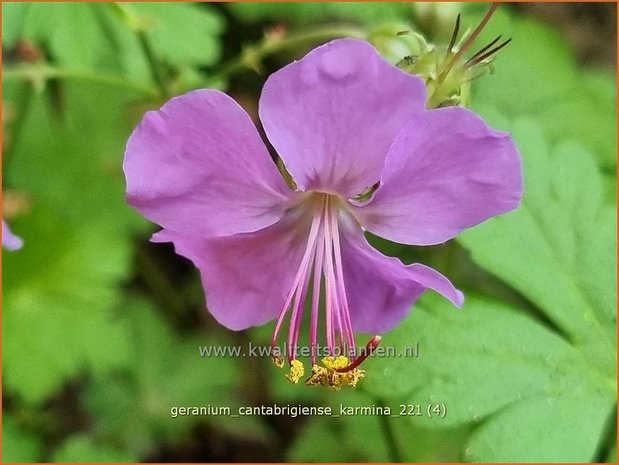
(316, 296)
(340, 283)
(322, 258)
(300, 275)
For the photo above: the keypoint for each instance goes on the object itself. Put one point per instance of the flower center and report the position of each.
(321, 273)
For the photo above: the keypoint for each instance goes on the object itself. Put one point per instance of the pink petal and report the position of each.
(381, 289)
(246, 277)
(198, 166)
(333, 115)
(9, 240)
(446, 171)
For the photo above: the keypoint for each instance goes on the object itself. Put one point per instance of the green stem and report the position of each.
(37, 72)
(153, 62)
(23, 102)
(159, 284)
(395, 455)
(252, 56)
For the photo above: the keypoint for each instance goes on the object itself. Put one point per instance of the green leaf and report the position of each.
(18, 446)
(458, 351)
(482, 363)
(538, 67)
(537, 75)
(586, 117)
(319, 441)
(612, 454)
(540, 380)
(79, 146)
(63, 285)
(182, 33)
(344, 439)
(561, 429)
(163, 371)
(554, 248)
(363, 438)
(60, 287)
(81, 448)
(13, 15)
(565, 268)
(368, 12)
(65, 28)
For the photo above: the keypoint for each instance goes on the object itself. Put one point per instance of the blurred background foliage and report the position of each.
(101, 328)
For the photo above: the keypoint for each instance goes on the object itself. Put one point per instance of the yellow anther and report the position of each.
(278, 361)
(296, 371)
(354, 376)
(319, 376)
(333, 363)
(328, 376)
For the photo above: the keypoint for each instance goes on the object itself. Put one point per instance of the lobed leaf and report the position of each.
(527, 375)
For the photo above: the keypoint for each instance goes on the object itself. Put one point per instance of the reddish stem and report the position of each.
(369, 348)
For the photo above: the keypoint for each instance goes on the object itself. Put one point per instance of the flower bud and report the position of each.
(444, 89)
(395, 40)
(445, 70)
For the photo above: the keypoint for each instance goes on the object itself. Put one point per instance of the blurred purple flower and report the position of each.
(343, 120)
(9, 240)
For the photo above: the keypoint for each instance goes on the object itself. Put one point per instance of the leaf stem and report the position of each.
(153, 62)
(395, 454)
(252, 55)
(158, 283)
(23, 101)
(37, 72)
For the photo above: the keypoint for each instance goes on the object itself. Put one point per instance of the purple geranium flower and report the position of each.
(9, 240)
(343, 121)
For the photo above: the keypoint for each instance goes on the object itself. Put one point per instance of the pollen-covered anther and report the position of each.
(335, 363)
(328, 374)
(370, 347)
(278, 361)
(354, 376)
(297, 370)
(319, 376)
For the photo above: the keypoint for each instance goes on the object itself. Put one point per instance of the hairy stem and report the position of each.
(45, 72)
(252, 56)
